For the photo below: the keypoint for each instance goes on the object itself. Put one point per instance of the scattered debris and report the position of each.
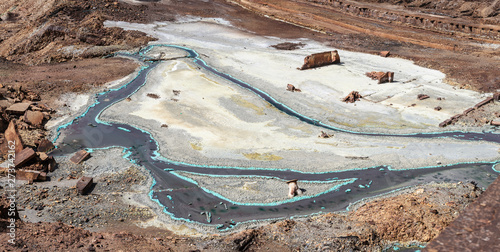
(45, 146)
(291, 88)
(321, 59)
(20, 95)
(18, 108)
(84, 184)
(467, 111)
(438, 108)
(455, 118)
(31, 176)
(288, 46)
(293, 188)
(352, 97)
(422, 96)
(484, 102)
(80, 156)
(51, 164)
(496, 96)
(385, 54)
(24, 156)
(381, 76)
(325, 135)
(154, 96)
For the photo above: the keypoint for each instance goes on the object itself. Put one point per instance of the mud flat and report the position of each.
(210, 121)
(386, 107)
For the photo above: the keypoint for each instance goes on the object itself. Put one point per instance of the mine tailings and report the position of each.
(183, 199)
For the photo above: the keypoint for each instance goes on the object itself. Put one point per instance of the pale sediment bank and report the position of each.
(259, 189)
(213, 122)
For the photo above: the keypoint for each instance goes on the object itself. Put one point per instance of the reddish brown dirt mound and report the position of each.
(49, 31)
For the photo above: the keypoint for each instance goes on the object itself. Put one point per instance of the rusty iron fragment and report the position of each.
(495, 123)
(352, 97)
(292, 88)
(51, 166)
(320, 59)
(45, 146)
(24, 156)
(382, 77)
(422, 96)
(324, 135)
(385, 54)
(31, 176)
(484, 102)
(80, 156)
(84, 184)
(496, 96)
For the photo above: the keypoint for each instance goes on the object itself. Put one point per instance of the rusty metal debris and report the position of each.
(455, 118)
(385, 53)
(80, 156)
(31, 176)
(45, 145)
(325, 135)
(320, 59)
(352, 97)
(24, 156)
(381, 76)
(496, 96)
(483, 102)
(292, 88)
(83, 185)
(422, 96)
(154, 96)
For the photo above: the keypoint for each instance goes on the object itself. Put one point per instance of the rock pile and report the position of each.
(19, 111)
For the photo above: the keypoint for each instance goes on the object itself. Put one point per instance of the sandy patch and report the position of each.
(259, 190)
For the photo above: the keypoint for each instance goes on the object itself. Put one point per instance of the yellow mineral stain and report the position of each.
(332, 144)
(244, 103)
(303, 128)
(196, 146)
(262, 157)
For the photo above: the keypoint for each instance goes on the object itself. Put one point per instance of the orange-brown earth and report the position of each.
(55, 46)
